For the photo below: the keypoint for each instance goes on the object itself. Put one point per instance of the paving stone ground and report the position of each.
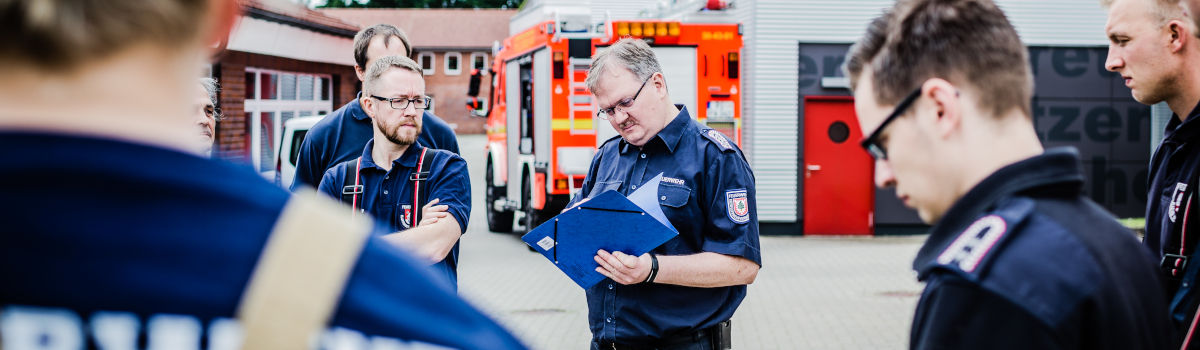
(812, 293)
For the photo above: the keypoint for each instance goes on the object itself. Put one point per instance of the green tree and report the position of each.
(504, 4)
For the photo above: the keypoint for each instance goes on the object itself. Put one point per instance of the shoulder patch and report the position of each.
(718, 138)
(738, 206)
(974, 243)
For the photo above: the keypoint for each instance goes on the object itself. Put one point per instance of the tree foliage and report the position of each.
(504, 4)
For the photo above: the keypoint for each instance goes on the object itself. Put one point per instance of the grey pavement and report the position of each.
(812, 293)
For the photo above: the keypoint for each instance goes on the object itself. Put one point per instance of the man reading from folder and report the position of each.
(682, 294)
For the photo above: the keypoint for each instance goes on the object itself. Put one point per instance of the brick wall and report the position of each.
(450, 92)
(233, 133)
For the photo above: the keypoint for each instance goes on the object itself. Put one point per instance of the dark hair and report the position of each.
(862, 52)
(966, 42)
(363, 39)
(54, 35)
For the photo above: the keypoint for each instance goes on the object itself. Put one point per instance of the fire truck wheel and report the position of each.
(500, 221)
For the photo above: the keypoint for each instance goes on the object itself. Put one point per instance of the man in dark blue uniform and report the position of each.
(682, 294)
(1154, 47)
(1017, 258)
(340, 136)
(117, 235)
(387, 170)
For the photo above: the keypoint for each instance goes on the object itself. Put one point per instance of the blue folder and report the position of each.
(632, 225)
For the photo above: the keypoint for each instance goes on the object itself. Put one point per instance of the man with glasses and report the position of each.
(207, 115)
(682, 294)
(341, 135)
(1018, 257)
(424, 193)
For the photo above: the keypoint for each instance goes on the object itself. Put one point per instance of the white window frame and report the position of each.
(446, 58)
(255, 107)
(485, 60)
(432, 63)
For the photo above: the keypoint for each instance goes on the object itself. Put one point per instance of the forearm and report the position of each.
(431, 242)
(705, 270)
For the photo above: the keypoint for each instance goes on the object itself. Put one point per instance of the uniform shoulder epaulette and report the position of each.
(719, 139)
(974, 248)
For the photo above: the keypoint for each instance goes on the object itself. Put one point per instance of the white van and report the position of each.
(294, 131)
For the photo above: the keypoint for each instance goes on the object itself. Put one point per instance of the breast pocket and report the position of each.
(673, 195)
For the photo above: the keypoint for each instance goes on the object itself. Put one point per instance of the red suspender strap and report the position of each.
(417, 177)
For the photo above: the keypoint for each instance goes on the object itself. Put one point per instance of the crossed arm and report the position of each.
(433, 237)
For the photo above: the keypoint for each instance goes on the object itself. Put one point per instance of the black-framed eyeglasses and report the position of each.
(622, 105)
(871, 143)
(402, 103)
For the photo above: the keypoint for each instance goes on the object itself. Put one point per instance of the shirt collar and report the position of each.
(1056, 171)
(355, 108)
(406, 160)
(670, 134)
(1186, 130)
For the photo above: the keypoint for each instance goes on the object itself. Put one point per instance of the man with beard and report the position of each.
(395, 177)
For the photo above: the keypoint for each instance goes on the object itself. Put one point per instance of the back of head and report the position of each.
(383, 65)
(362, 41)
(60, 35)
(967, 42)
(629, 53)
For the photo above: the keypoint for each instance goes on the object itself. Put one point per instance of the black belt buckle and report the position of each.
(1173, 264)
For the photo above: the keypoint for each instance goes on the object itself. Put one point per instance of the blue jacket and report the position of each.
(105, 240)
(340, 136)
(1025, 261)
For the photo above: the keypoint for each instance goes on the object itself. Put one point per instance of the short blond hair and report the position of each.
(1165, 10)
(383, 65)
(53, 35)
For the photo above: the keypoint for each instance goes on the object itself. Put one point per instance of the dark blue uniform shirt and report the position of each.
(1025, 261)
(100, 230)
(388, 195)
(341, 135)
(1172, 207)
(707, 193)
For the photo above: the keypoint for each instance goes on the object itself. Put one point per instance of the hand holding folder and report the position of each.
(608, 221)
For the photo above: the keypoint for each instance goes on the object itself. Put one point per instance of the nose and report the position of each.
(884, 177)
(1114, 61)
(617, 117)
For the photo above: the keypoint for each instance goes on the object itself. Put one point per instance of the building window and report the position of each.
(479, 61)
(274, 97)
(453, 63)
(426, 61)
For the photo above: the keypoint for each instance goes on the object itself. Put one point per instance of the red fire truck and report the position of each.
(541, 125)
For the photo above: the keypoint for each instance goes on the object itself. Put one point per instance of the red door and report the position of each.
(839, 197)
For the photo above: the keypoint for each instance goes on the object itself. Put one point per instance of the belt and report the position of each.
(700, 336)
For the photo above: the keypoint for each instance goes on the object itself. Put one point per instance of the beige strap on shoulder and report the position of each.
(301, 273)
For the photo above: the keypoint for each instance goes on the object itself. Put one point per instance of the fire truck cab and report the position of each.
(542, 127)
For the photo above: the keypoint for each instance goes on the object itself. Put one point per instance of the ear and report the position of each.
(359, 72)
(943, 97)
(660, 82)
(1180, 35)
(368, 105)
(224, 14)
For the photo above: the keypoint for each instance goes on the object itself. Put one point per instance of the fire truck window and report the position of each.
(839, 132)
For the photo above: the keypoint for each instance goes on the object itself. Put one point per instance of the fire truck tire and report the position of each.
(500, 221)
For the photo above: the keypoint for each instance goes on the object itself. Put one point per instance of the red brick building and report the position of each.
(282, 61)
(448, 43)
